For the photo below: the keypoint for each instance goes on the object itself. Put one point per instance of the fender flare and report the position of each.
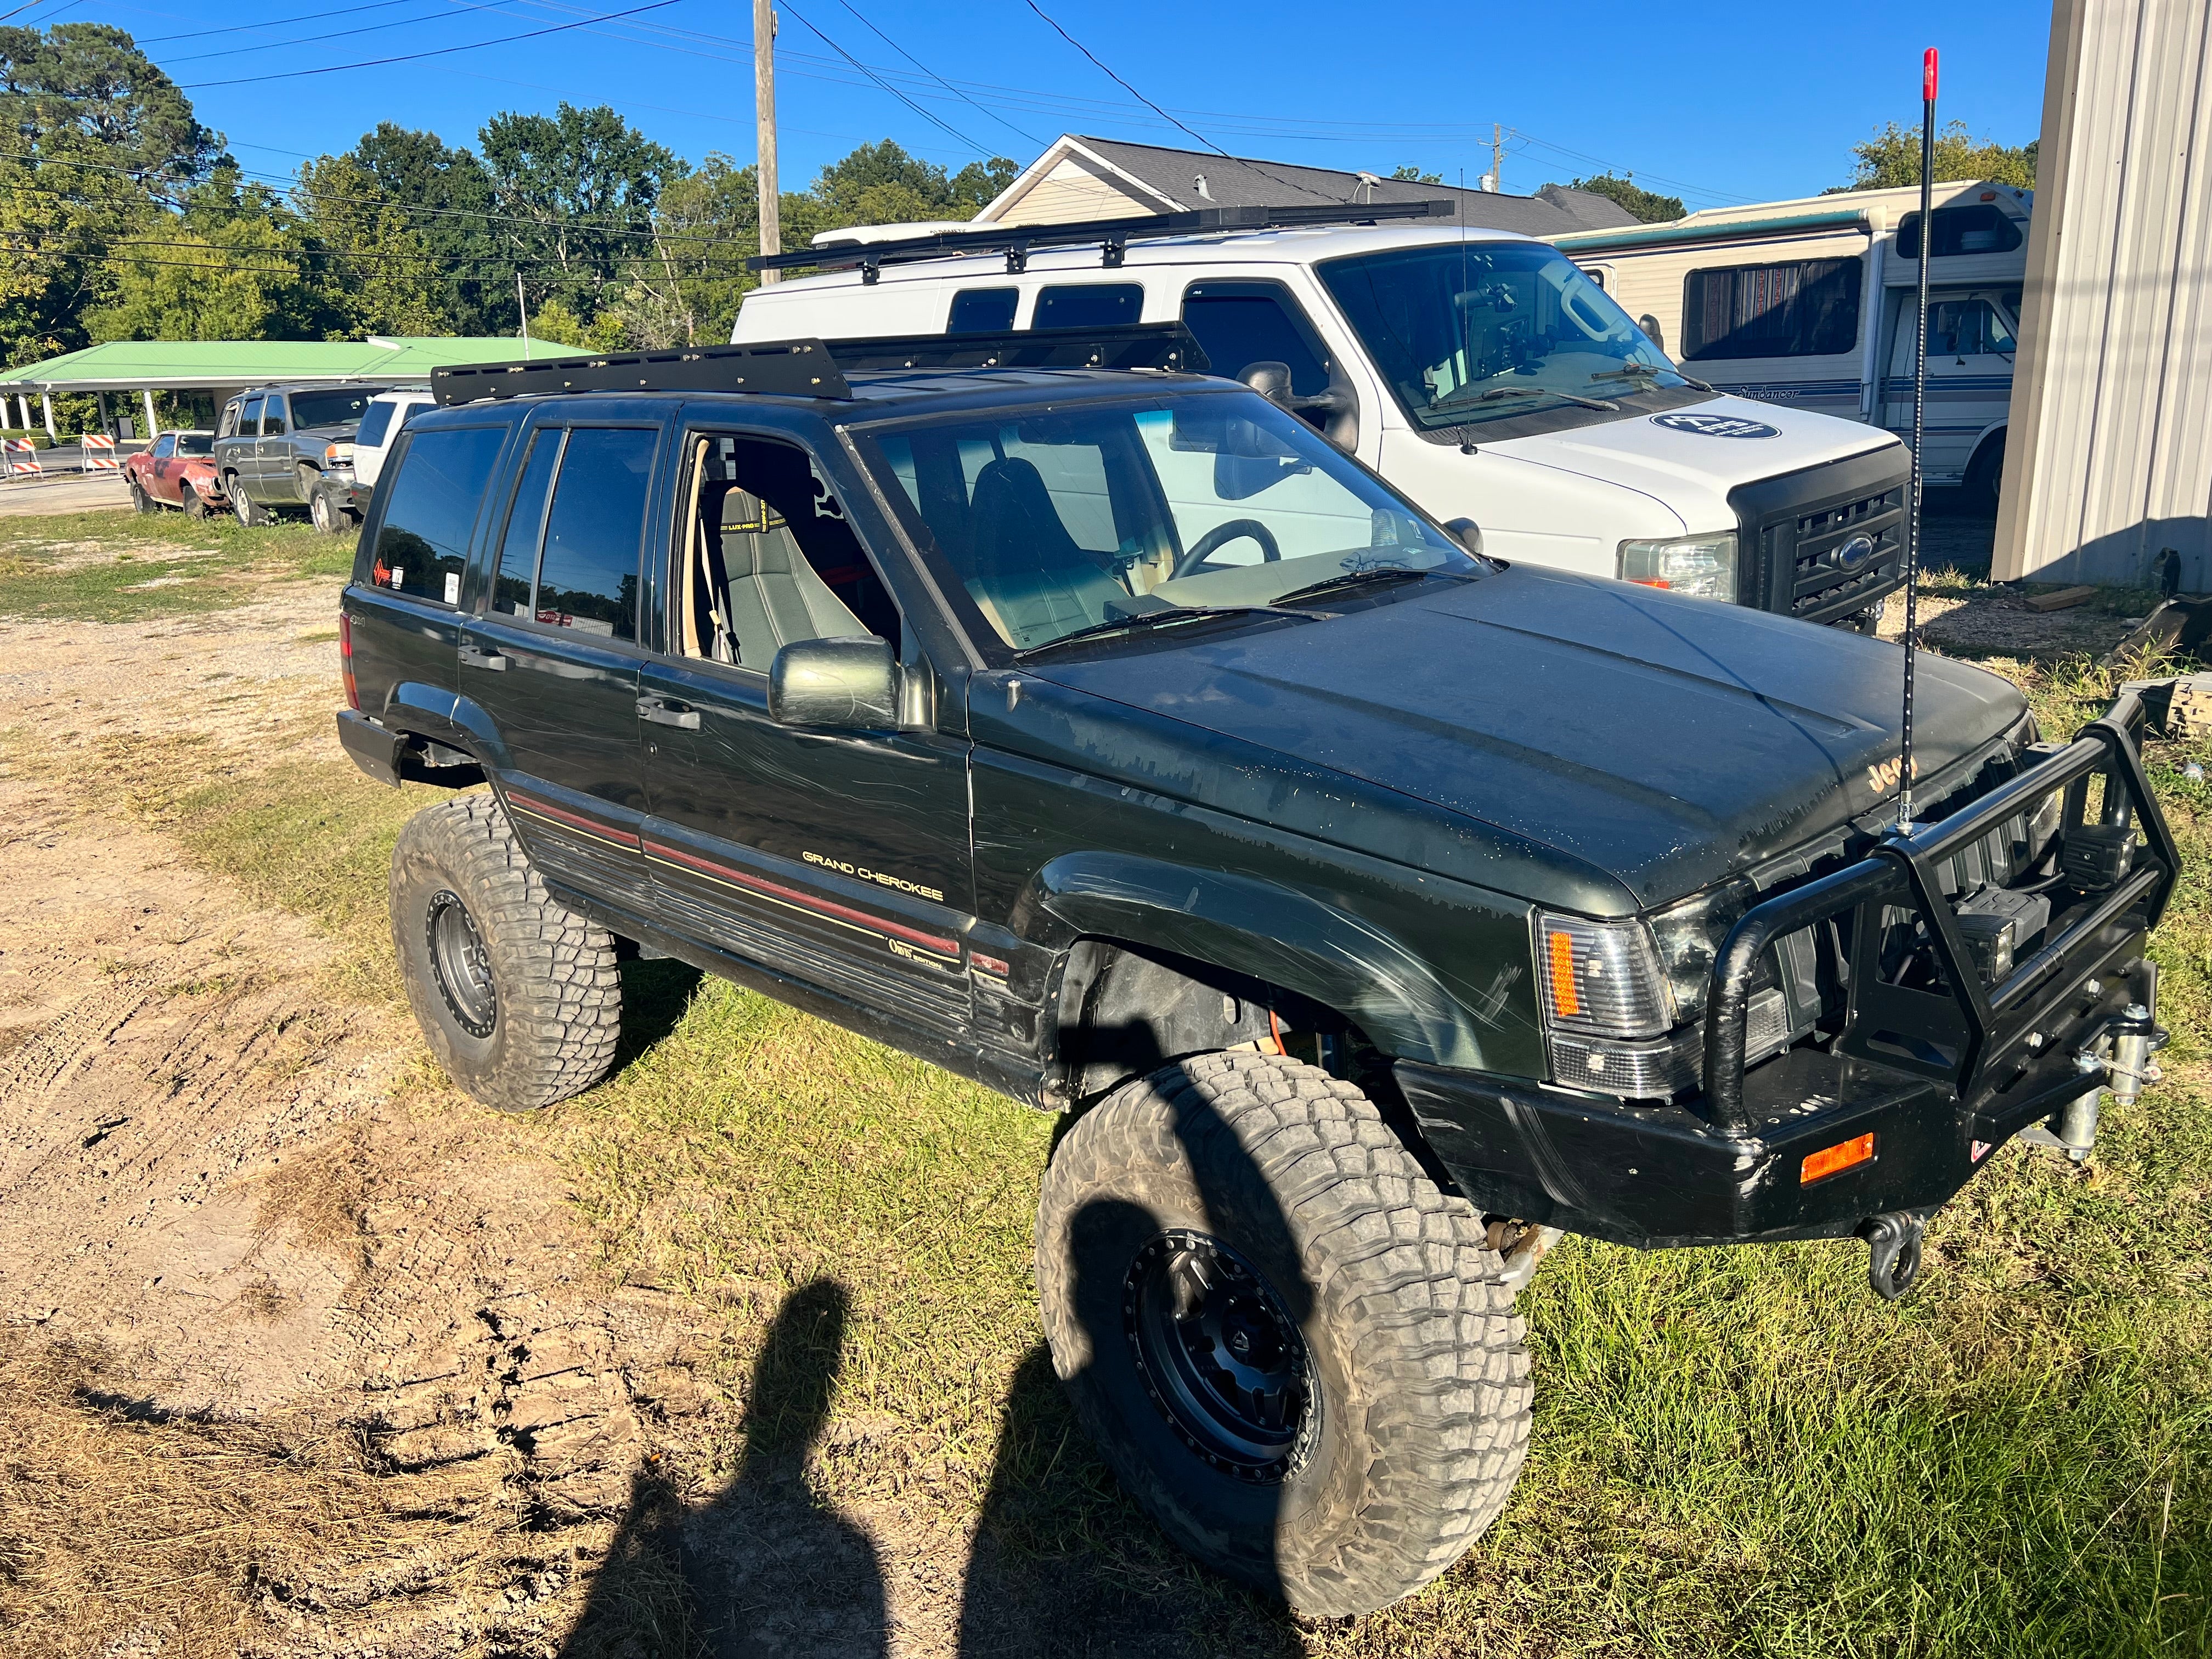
(1271, 932)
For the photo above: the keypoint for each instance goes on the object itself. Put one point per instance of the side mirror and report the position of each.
(842, 686)
(1271, 380)
(1467, 533)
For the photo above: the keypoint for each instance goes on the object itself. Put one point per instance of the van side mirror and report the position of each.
(838, 685)
(1467, 533)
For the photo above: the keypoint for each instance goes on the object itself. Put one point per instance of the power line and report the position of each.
(935, 76)
(324, 37)
(881, 82)
(270, 23)
(414, 57)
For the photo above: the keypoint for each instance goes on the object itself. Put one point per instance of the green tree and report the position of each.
(1415, 176)
(577, 189)
(234, 265)
(1891, 159)
(1648, 205)
(100, 138)
(377, 269)
(445, 195)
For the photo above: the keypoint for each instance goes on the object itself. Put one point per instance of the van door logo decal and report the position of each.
(1716, 426)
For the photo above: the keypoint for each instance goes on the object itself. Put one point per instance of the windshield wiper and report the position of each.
(1498, 392)
(1139, 620)
(1351, 579)
(1640, 371)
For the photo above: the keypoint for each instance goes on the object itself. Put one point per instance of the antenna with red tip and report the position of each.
(1904, 823)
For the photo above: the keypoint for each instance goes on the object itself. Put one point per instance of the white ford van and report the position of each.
(1480, 371)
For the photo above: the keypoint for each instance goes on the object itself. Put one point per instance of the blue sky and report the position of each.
(1696, 97)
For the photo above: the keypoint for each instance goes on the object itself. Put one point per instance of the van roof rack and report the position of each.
(817, 368)
(1113, 236)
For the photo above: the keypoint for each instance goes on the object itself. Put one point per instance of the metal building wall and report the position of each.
(2109, 455)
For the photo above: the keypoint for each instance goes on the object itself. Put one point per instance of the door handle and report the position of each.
(482, 656)
(666, 711)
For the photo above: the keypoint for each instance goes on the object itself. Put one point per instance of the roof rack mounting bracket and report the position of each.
(872, 271)
(1017, 259)
(1113, 250)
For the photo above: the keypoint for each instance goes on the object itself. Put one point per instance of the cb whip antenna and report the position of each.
(1904, 823)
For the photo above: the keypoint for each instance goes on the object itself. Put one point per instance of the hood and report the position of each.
(1667, 741)
(1666, 460)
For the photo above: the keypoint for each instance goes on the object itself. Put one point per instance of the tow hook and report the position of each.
(1521, 1253)
(1893, 1252)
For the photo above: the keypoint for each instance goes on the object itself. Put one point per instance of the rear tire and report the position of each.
(1369, 1412)
(1985, 476)
(519, 996)
(243, 508)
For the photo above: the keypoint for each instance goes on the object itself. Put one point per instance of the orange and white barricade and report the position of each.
(21, 458)
(99, 452)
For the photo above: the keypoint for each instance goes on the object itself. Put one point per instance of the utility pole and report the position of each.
(771, 228)
(1498, 156)
(522, 306)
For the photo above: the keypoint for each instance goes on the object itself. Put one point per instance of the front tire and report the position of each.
(141, 502)
(1293, 1347)
(329, 518)
(519, 996)
(194, 504)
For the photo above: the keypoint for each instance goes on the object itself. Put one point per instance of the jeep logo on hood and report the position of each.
(1717, 426)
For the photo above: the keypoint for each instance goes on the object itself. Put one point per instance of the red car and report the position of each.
(178, 471)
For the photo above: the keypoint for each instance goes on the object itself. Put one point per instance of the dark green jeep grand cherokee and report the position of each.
(1110, 738)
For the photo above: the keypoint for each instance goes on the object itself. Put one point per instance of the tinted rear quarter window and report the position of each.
(1807, 308)
(1089, 304)
(249, 418)
(587, 576)
(1240, 323)
(423, 541)
(526, 517)
(982, 311)
(374, 425)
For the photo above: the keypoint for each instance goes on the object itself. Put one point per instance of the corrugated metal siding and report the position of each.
(2110, 457)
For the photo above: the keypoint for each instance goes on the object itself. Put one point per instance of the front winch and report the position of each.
(2120, 1058)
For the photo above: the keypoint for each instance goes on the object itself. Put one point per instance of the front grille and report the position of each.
(1827, 543)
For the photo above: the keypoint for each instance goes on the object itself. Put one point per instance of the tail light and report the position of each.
(345, 660)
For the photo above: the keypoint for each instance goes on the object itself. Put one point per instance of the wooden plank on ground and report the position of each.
(2064, 598)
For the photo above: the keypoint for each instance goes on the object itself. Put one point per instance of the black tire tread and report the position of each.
(1432, 1330)
(563, 1019)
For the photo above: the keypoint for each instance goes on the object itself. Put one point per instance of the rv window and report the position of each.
(1982, 228)
(982, 311)
(1806, 309)
(1240, 323)
(1089, 304)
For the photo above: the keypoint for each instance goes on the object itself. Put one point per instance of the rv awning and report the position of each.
(201, 365)
(1782, 224)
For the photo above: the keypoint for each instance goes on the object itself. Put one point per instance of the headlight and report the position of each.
(1689, 935)
(1702, 565)
(338, 454)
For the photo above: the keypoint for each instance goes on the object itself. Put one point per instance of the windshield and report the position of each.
(195, 443)
(1485, 331)
(329, 407)
(1062, 521)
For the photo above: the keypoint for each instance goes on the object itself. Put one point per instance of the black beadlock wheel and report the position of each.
(1291, 1346)
(519, 996)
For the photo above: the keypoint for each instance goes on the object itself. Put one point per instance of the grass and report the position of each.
(1737, 1452)
(112, 567)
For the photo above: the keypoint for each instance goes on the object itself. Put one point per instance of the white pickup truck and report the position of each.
(1479, 372)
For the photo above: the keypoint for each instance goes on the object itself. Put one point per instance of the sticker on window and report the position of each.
(453, 587)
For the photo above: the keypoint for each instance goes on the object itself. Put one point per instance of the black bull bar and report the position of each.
(1973, 1036)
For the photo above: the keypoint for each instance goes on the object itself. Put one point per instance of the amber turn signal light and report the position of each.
(1832, 1160)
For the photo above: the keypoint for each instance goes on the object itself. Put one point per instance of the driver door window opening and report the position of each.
(767, 557)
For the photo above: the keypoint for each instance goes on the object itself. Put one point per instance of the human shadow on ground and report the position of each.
(1063, 1561)
(655, 995)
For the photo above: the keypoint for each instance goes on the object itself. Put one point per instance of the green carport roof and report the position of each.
(180, 365)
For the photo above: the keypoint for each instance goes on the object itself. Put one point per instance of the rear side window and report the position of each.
(1240, 323)
(374, 425)
(1980, 227)
(1809, 308)
(249, 418)
(423, 540)
(525, 522)
(588, 575)
(982, 311)
(1089, 304)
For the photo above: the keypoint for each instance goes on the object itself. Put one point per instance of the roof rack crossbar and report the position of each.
(1168, 346)
(787, 369)
(1113, 236)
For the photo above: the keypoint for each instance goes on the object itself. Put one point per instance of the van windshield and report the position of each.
(1081, 520)
(1485, 331)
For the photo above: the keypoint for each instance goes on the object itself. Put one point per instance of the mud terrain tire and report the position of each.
(1411, 1346)
(520, 996)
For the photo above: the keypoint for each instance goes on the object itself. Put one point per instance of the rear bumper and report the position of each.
(377, 749)
(1937, 1071)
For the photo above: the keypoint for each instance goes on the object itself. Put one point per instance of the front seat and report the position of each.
(1030, 573)
(775, 595)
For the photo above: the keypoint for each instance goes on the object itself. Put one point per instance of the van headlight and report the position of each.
(1701, 566)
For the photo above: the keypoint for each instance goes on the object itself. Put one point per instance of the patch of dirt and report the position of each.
(1996, 622)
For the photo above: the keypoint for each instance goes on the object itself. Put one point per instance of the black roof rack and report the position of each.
(1112, 236)
(1134, 345)
(788, 368)
(817, 368)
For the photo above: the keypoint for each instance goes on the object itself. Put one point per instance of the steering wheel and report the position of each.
(1220, 535)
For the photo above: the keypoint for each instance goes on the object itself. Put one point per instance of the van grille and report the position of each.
(1827, 543)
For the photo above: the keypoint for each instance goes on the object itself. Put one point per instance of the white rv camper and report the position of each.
(1809, 304)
